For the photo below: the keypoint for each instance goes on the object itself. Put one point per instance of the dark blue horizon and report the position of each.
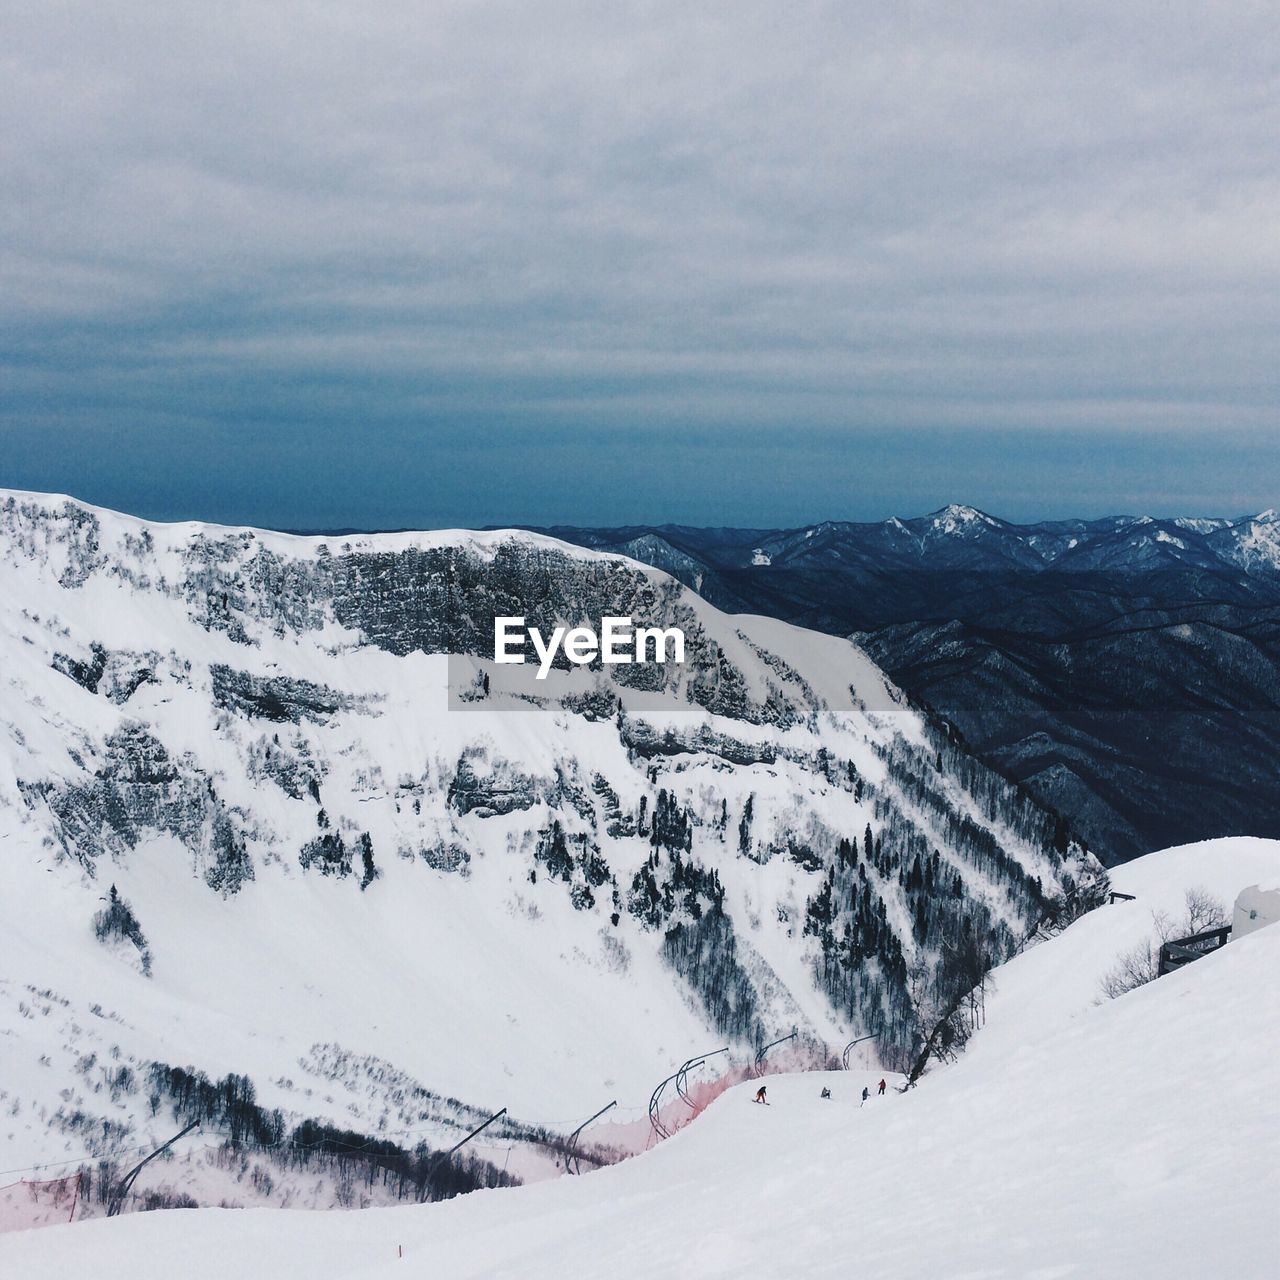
(475, 474)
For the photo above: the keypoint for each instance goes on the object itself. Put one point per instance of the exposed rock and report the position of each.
(502, 789)
(446, 855)
(140, 788)
(279, 698)
(647, 741)
(86, 674)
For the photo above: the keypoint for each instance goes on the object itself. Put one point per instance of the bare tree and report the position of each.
(1141, 963)
(1204, 911)
(1134, 968)
(951, 1018)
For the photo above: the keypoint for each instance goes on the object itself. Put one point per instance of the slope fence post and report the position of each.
(844, 1057)
(126, 1183)
(655, 1108)
(760, 1053)
(441, 1156)
(571, 1161)
(682, 1076)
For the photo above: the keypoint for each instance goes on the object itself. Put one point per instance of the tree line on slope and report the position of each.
(230, 1105)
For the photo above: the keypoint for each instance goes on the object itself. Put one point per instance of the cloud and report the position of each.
(564, 214)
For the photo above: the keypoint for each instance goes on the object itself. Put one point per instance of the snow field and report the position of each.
(1136, 1139)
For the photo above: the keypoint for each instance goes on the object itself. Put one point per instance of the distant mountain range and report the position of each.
(963, 538)
(1126, 669)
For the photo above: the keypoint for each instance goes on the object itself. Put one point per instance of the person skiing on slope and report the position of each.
(881, 1088)
(866, 1093)
(760, 1096)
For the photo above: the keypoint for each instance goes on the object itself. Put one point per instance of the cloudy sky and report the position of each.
(322, 264)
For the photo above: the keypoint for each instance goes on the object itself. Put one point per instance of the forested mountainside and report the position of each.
(1126, 670)
(280, 848)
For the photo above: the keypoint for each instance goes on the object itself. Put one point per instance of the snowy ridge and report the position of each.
(963, 538)
(1060, 982)
(396, 902)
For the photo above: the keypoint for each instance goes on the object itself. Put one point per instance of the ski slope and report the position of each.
(1059, 982)
(1133, 1138)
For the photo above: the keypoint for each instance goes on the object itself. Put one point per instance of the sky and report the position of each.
(320, 264)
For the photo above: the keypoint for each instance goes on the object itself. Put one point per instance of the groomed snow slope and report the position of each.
(1138, 1139)
(1055, 983)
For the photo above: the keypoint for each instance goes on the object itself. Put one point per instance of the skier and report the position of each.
(760, 1096)
(866, 1093)
(882, 1088)
(826, 1093)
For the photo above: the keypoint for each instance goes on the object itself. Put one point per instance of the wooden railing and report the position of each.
(1179, 951)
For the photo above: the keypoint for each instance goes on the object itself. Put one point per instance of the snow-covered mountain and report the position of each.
(1126, 669)
(961, 538)
(1075, 1138)
(268, 810)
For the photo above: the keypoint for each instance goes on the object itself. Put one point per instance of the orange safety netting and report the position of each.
(39, 1204)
